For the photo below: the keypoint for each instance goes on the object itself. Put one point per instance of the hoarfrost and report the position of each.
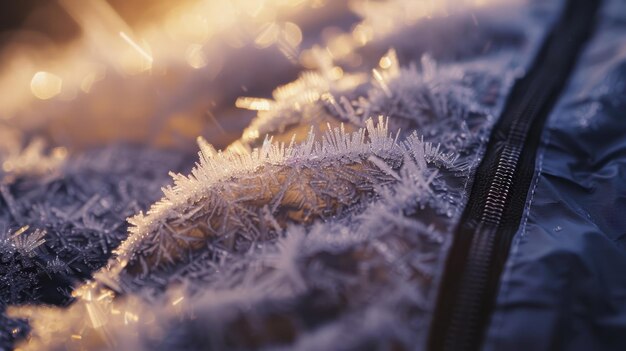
(232, 201)
(280, 241)
(352, 211)
(31, 160)
(59, 226)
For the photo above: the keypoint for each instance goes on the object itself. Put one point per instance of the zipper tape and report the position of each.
(495, 206)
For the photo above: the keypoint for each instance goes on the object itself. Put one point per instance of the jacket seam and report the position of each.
(522, 232)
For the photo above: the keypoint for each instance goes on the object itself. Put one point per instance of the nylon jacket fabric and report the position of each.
(564, 285)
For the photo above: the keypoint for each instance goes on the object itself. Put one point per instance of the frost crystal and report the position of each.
(447, 104)
(319, 227)
(18, 263)
(59, 226)
(232, 201)
(24, 244)
(350, 212)
(296, 105)
(32, 160)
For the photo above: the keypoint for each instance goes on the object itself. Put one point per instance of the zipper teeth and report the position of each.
(503, 178)
(496, 201)
(498, 192)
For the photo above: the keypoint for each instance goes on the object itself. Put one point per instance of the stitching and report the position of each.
(505, 282)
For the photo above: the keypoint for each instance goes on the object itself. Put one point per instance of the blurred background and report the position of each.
(83, 73)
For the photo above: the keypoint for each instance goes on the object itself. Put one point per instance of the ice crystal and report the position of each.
(24, 244)
(446, 103)
(308, 221)
(441, 102)
(32, 160)
(232, 201)
(332, 237)
(305, 283)
(59, 226)
(284, 222)
(296, 105)
(18, 263)
(342, 224)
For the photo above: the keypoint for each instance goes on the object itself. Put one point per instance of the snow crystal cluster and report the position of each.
(295, 242)
(231, 201)
(57, 227)
(31, 160)
(326, 224)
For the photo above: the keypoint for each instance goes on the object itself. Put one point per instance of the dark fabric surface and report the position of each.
(564, 286)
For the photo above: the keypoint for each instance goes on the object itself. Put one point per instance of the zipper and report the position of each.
(496, 203)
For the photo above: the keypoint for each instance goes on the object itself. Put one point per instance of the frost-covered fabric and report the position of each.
(59, 226)
(325, 226)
